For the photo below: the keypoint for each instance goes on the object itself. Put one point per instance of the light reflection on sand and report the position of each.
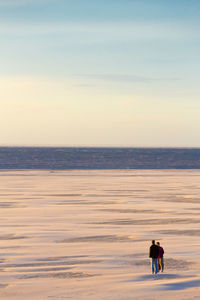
(87, 233)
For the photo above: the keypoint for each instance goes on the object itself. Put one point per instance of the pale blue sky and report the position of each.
(87, 72)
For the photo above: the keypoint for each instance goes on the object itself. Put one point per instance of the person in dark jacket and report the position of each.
(160, 258)
(153, 254)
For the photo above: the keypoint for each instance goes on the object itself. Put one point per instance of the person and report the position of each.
(153, 254)
(160, 258)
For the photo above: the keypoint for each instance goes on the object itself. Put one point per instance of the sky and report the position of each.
(100, 73)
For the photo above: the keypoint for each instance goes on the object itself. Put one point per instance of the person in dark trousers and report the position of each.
(160, 258)
(153, 254)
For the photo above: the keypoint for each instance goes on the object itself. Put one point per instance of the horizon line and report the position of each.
(96, 146)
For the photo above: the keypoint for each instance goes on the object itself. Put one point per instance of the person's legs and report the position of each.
(159, 264)
(156, 265)
(162, 264)
(152, 265)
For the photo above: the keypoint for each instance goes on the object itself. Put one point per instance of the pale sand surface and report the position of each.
(86, 234)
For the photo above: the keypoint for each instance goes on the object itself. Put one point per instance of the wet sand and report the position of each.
(86, 234)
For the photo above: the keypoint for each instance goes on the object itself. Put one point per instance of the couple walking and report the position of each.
(156, 253)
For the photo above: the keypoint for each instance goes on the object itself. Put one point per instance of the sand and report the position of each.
(86, 234)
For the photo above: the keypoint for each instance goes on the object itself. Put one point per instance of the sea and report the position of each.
(92, 158)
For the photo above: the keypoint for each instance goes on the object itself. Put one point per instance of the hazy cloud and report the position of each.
(102, 31)
(20, 2)
(125, 78)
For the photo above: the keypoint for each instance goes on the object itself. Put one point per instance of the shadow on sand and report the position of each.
(160, 276)
(180, 284)
(183, 285)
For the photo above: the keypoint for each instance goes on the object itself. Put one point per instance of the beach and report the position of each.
(85, 234)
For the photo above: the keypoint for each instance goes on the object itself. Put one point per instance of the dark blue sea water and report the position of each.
(98, 158)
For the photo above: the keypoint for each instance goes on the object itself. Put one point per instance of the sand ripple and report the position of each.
(101, 238)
